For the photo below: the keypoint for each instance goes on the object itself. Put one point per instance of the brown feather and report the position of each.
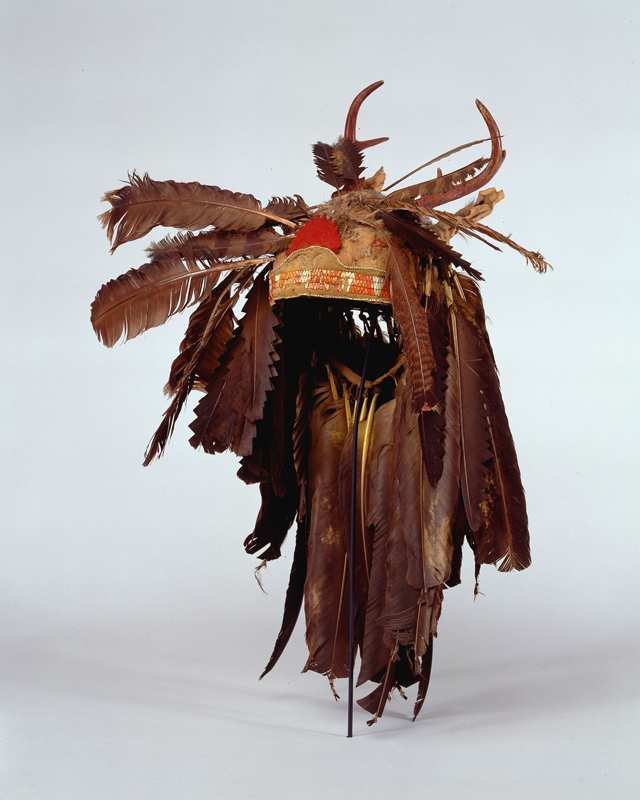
(288, 207)
(326, 589)
(412, 319)
(440, 184)
(210, 247)
(420, 239)
(226, 417)
(275, 517)
(324, 161)
(380, 478)
(474, 423)
(208, 333)
(432, 423)
(143, 203)
(346, 159)
(209, 330)
(294, 597)
(504, 534)
(146, 297)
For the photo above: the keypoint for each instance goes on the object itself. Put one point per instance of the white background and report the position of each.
(133, 631)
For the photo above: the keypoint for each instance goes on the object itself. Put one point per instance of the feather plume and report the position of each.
(291, 208)
(211, 247)
(210, 329)
(226, 417)
(439, 505)
(143, 203)
(432, 423)
(536, 260)
(275, 517)
(474, 425)
(327, 169)
(412, 319)
(504, 533)
(326, 592)
(439, 185)
(420, 239)
(146, 297)
(346, 159)
(294, 597)
(379, 486)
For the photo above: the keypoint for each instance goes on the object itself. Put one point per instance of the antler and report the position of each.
(478, 181)
(352, 116)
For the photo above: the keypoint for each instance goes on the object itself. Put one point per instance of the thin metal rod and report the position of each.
(352, 541)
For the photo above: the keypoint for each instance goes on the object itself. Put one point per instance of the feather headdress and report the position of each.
(428, 446)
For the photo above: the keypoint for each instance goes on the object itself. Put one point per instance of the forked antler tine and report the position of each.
(352, 116)
(482, 178)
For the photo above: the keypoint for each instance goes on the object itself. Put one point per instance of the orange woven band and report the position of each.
(318, 272)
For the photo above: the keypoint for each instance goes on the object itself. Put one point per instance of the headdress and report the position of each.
(357, 386)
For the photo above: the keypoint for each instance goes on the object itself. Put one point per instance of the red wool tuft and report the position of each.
(318, 232)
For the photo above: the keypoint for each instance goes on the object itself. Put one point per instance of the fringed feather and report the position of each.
(143, 203)
(210, 329)
(294, 596)
(474, 425)
(439, 185)
(380, 481)
(210, 247)
(326, 590)
(146, 297)
(412, 319)
(226, 417)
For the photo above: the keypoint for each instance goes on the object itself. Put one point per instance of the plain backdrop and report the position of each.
(133, 631)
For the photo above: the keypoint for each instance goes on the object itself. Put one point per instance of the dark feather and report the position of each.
(420, 239)
(211, 247)
(226, 417)
(275, 517)
(294, 597)
(440, 184)
(346, 159)
(210, 329)
(413, 323)
(288, 207)
(146, 297)
(143, 203)
(326, 590)
(323, 159)
(379, 486)
(474, 423)
(425, 677)
(432, 423)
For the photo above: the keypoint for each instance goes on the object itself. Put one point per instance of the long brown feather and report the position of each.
(420, 239)
(440, 504)
(226, 417)
(187, 366)
(210, 247)
(474, 424)
(432, 423)
(146, 297)
(326, 592)
(143, 203)
(412, 319)
(327, 169)
(440, 184)
(379, 486)
(504, 534)
(294, 597)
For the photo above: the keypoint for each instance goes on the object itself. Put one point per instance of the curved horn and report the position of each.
(479, 180)
(352, 116)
